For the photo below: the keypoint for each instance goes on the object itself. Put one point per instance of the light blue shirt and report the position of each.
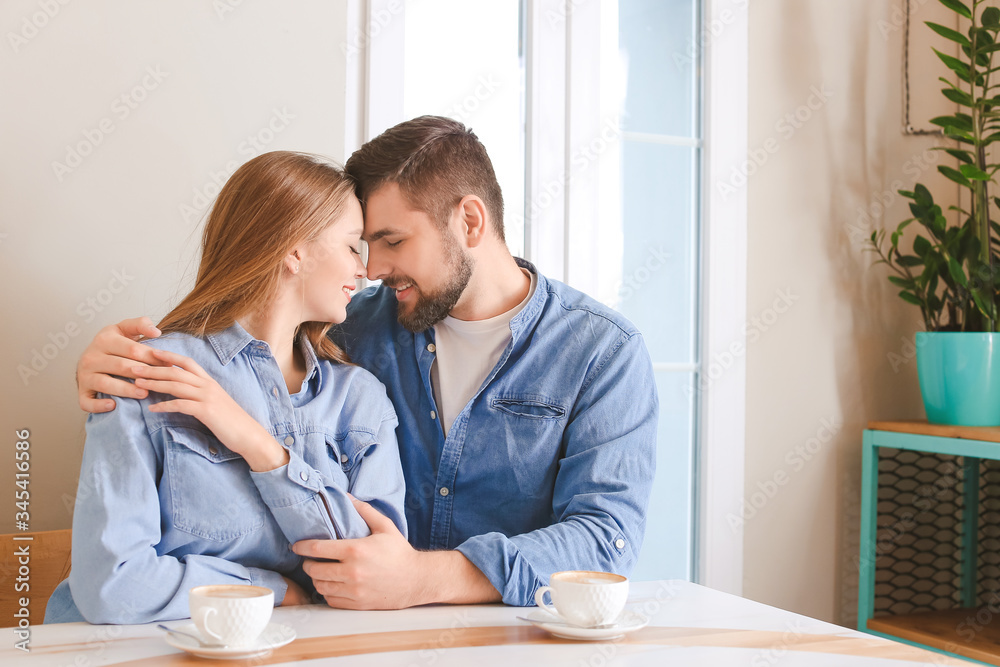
(550, 465)
(163, 505)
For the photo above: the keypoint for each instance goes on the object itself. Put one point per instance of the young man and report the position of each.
(527, 410)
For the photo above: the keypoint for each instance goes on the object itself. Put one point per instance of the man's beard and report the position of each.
(431, 308)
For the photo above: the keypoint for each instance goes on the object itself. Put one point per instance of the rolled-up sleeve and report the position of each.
(602, 488)
(309, 505)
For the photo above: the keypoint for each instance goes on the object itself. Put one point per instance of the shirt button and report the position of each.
(213, 451)
(343, 458)
(304, 475)
(433, 415)
(275, 392)
(620, 543)
(431, 347)
(289, 440)
(443, 491)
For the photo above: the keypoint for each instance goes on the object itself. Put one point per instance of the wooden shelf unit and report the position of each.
(970, 630)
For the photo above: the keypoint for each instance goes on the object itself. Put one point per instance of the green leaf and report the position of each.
(922, 195)
(910, 297)
(948, 33)
(954, 64)
(909, 261)
(921, 246)
(957, 274)
(964, 156)
(991, 17)
(954, 175)
(973, 172)
(957, 6)
(957, 96)
(901, 282)
(963, 122)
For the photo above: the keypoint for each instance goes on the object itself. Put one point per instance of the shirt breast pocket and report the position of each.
(533, 426)
(211, 493)
(350, 449)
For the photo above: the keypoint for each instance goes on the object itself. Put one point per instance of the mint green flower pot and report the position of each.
(960, 377)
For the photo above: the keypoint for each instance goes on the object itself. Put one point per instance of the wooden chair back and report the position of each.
(45, 564)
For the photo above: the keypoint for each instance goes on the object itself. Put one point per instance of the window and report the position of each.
(592, 114)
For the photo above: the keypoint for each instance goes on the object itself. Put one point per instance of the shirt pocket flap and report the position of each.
(351, 447)
(532, 407)
(204, 444)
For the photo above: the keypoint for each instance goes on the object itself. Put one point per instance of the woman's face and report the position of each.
(331, 267)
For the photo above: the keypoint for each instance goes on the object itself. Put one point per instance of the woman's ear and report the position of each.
(293, 262)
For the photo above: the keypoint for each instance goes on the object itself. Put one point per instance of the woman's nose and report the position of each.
(361, 271)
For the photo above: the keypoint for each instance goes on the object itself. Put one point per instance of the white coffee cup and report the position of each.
(232, 615)
(585, 598)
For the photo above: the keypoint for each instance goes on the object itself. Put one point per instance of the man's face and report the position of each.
(409, 252)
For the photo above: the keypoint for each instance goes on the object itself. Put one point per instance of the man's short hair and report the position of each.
(435, 161)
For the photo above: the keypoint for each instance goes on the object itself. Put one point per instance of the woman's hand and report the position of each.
(294, 594)
(200, 396)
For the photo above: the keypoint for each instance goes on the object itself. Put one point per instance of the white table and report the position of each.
(690, 625)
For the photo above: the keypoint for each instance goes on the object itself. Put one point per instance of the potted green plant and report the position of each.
(952, 274)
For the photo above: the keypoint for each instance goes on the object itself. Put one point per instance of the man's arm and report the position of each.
(383, 571)
(602, 487)
(114, 351)
(600, 499)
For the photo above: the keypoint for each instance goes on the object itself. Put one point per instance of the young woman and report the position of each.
(255, 429)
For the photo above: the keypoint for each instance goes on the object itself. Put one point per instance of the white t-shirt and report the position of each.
(465, 354)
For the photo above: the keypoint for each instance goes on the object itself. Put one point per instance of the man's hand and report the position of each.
(114, 351)
(199, 395)
(382, 571)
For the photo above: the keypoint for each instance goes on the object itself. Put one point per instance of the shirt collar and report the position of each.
(230, 342)
(531, 309)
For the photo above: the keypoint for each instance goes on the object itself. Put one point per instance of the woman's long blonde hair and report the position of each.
(268, 206)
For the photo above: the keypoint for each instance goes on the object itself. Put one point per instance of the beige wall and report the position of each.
(836, 356)
(112, 233)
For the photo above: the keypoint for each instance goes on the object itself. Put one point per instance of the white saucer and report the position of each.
(274, 636)
(629, 621)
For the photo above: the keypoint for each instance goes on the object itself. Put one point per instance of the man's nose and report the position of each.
(359, 270)
(376, 266)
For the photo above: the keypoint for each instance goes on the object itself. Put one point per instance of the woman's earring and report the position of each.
(296, 269)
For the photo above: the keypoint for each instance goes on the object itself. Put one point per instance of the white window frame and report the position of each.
(374, 102)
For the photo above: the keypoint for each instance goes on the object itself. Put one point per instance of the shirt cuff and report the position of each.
(269, 579)
(292, 483)
(503, 565)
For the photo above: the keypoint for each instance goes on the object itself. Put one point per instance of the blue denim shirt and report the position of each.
(550, 465)
(162, 505)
